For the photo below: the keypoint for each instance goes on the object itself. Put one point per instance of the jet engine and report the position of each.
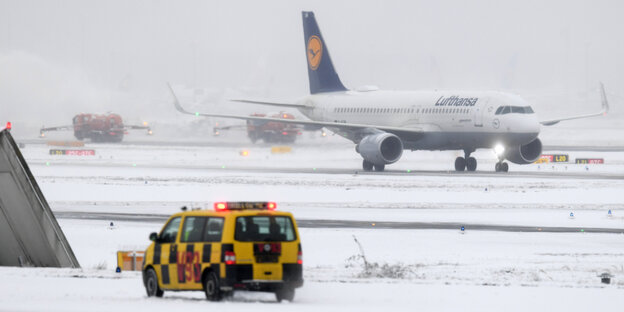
(381, 148)
(524, 154)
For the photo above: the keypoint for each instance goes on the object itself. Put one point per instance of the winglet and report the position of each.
(603, 111)
(605, 103)
(176, 102)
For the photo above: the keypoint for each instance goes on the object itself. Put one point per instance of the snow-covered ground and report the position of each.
(408, 269)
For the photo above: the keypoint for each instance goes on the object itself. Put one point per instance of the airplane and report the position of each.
(384, 123)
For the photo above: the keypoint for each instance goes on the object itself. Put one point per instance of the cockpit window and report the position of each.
(517, 109)
(502, 110)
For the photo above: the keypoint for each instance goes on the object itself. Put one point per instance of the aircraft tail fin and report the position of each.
(321, 72)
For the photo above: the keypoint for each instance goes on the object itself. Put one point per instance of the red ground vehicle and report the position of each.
(272, 131)
(98, 128)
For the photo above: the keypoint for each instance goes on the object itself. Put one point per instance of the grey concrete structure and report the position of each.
(29, 233)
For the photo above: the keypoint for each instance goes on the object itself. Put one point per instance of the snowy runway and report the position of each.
(430, 269)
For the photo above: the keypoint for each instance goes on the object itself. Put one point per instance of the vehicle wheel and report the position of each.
(504, 167)
(151, 284)
(497, 167)
(379, 167)
(211, 287)
(471, 164)
(460, 164)
(285, 293)
(367, 166)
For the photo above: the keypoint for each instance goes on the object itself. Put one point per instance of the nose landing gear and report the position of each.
(501, 166)
(369, 166)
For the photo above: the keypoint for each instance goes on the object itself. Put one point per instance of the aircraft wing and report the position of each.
(59, 128)
(137, 127)
(329, 124)
(603, 111)
(290, 105)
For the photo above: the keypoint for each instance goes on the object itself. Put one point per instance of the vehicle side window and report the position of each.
(170, 231)
(528, 110)
(498, 110)
(193, 229)
(506, 110)
(214, 229)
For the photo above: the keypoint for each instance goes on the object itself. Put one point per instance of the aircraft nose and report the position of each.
(531, 125)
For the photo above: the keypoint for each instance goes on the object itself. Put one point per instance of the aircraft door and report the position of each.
(478, 113)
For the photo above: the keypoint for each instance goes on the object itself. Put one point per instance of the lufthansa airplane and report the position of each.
(384, 123)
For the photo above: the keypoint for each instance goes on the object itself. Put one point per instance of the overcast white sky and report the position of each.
(61, 57)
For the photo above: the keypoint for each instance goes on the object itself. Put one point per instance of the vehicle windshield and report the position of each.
(264, 229)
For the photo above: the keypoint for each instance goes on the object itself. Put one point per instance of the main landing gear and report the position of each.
(466, 163)
(369, 166)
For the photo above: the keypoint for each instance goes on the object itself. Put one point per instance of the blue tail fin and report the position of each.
(321, 72)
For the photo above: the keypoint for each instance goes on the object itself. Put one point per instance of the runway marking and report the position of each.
(352, 224)
(343, 171)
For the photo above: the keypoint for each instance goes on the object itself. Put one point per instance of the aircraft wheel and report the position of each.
(367, 166)
(460, 164)
(471, 164)
(379, 167)
(504, 167)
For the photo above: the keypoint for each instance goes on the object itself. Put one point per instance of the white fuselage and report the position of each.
(448, 120)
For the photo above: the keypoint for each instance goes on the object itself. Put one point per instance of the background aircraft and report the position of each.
(384, 123)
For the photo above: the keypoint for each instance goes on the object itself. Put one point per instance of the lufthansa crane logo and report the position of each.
(315, 52)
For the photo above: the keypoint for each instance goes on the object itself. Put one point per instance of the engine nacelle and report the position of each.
(524, 154)
(380, 149)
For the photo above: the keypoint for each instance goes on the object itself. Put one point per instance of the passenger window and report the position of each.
(170, 231)
(202, 229)
(193, 229)
(214, 228)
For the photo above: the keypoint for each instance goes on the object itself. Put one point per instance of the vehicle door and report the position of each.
(188, 258)
(199, 248)
(165, 252)
(268, 241)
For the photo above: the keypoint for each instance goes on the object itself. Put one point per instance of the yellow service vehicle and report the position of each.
(238, 245)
